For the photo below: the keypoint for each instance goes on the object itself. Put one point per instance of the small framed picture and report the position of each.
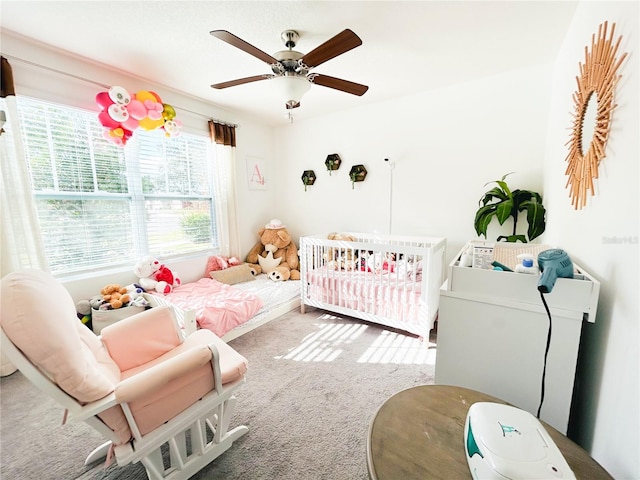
(256, 173)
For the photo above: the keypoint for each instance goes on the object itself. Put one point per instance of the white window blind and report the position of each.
(100, 205)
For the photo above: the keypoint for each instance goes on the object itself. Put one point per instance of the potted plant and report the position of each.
(502, 202)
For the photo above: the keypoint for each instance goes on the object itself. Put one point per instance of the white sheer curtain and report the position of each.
(225, 185)
(20, 240)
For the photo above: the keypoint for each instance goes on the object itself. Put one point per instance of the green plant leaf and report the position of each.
(520, 196)
(483, 219)
(494, 193)
(504, 210)
(535, 218)
(504, 187)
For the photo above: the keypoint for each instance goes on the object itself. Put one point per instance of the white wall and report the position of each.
(445, 144)
(72, 80)
(603, 238)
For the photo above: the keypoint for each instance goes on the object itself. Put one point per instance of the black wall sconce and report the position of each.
(333, 162)
(357, 174)
(308, 178)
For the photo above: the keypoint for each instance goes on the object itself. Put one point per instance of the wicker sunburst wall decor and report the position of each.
(596, 82)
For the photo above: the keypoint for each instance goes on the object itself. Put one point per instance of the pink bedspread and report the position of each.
(219, 307)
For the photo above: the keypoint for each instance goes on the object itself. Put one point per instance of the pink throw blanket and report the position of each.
(219, 307)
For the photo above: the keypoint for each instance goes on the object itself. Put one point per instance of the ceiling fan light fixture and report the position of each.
(291, 88)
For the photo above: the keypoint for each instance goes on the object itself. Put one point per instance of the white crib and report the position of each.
(390, 280)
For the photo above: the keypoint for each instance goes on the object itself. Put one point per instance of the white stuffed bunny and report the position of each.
(155, 276)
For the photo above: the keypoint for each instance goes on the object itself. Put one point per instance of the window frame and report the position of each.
(135, 197)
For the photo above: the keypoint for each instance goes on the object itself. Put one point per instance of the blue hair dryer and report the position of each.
(553, 263)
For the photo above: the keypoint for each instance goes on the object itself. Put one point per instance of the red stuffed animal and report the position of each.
(163, 274)
(155, 276)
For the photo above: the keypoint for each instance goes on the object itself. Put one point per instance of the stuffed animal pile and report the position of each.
(112, 296)
(275, 254)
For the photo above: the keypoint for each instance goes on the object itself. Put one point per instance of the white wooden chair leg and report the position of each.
(98, 453)
(154, 465)
(229, 407)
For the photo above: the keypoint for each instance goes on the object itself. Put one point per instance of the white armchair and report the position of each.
(140, 384)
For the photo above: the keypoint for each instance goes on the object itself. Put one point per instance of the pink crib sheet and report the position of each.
(219, 307)
(384, 295)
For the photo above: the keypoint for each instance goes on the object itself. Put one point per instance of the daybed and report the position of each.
(229, 310)
(390, 280)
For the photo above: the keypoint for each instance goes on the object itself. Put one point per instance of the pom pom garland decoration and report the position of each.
(121, 113)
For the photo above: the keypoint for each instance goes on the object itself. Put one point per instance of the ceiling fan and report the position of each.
(291, 69)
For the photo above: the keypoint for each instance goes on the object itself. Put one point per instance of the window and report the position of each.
(100, 205)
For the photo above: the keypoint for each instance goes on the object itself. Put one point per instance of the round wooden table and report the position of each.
(418, 433)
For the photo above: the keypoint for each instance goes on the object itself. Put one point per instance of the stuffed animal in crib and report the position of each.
(155, 276)
(341, 258)
(275, 254)
(381, 262)
(362, 260)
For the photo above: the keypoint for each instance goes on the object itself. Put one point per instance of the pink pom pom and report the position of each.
(131, 123)
(137, 109)
(106, 120)
(103, 100)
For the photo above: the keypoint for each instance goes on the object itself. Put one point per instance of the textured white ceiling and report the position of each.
(408, 46)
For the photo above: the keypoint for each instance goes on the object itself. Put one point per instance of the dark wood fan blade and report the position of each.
(339, 84)
(237, 42)
(341, 43)
(240, 81)
(289, 107)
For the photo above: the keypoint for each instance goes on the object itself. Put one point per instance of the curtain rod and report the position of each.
(94, 82)
(222, 122)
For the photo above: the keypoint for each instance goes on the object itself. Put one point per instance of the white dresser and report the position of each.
(492, 334)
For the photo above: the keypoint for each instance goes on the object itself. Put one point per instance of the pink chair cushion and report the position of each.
(153, 409)
(123, 339)
(39, 317)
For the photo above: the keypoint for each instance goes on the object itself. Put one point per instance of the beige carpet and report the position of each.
(314, 383)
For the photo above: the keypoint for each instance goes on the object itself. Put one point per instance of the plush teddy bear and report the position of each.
(155, 276)
(342, 258)
(275, 254)
(115, 295)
